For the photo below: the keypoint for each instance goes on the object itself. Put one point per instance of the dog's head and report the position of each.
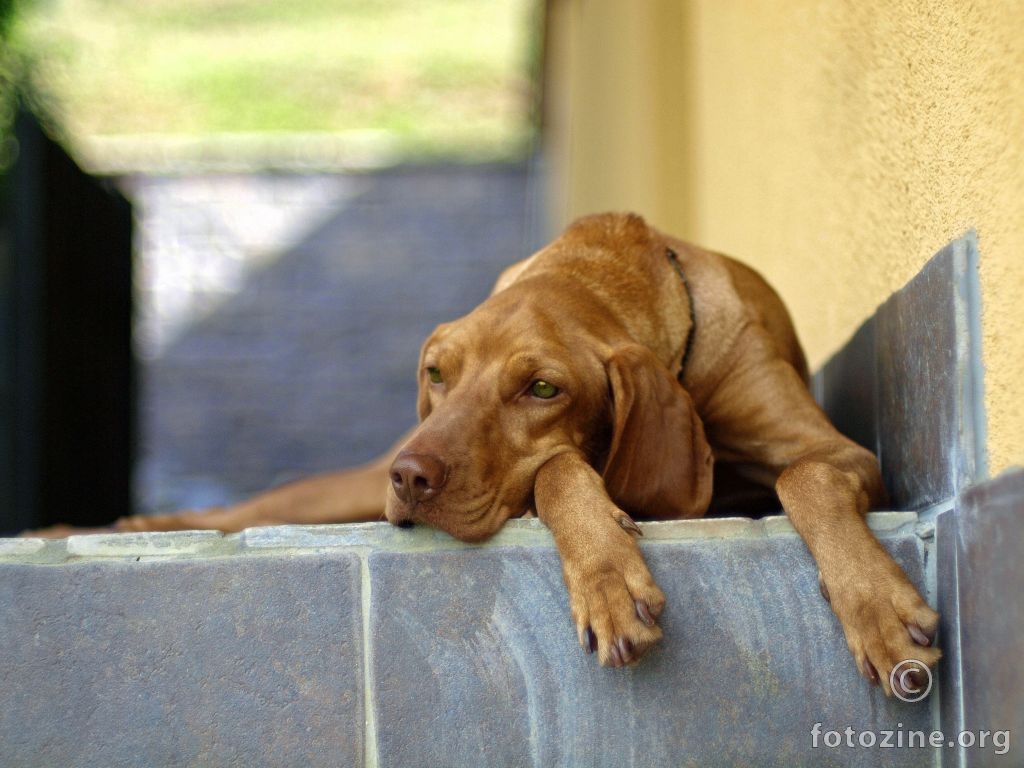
(541, 368)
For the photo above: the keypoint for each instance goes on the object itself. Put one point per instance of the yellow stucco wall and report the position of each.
(834, 145)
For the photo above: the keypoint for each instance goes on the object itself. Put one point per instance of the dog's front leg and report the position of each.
(614, 601)
(884, 617)
(764, 413)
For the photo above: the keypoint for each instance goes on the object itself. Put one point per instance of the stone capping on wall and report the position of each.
(369, 537)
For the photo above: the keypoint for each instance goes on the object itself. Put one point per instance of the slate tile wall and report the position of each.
(365, 645)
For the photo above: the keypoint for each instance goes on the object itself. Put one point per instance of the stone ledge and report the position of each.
(367, 537)
(369, 645)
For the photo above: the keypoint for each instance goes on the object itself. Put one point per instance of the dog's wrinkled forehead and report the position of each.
(500, 326)
(610, 230)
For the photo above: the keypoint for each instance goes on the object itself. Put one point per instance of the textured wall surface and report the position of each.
(835, 146)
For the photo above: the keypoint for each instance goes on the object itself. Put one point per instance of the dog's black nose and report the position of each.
(417, 476)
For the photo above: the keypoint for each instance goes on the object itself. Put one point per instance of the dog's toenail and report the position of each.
(626, 522)
(405, 524)
(616, 655)
(589, 640)
(872, 674)
(919, 636)
(644, 613)
(625, 650)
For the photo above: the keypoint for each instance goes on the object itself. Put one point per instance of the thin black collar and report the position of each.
(673, 258)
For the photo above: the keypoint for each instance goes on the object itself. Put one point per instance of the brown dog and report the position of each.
(603, 379)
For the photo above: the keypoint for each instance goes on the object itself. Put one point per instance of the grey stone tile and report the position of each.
(224, 661)
(475, 662)
(991, 582)
(151, 544)
(908, 385)
(928, 387)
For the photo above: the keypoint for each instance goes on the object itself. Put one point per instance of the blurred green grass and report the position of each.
(437, 76)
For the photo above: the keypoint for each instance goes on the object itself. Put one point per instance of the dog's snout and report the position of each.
(417, 476)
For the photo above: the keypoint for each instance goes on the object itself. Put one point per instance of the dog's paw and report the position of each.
(615, 605)
(886, 621)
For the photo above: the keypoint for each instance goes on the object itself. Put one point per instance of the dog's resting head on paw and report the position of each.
(558, 359)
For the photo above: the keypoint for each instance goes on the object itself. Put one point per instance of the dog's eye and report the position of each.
(434, 374)
(543, 389)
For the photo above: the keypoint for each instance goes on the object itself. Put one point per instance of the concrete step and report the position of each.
(369, 645)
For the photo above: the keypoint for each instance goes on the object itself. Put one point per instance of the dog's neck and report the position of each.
(673, 258)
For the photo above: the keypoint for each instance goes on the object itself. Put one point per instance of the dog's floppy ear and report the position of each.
(659, 462)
